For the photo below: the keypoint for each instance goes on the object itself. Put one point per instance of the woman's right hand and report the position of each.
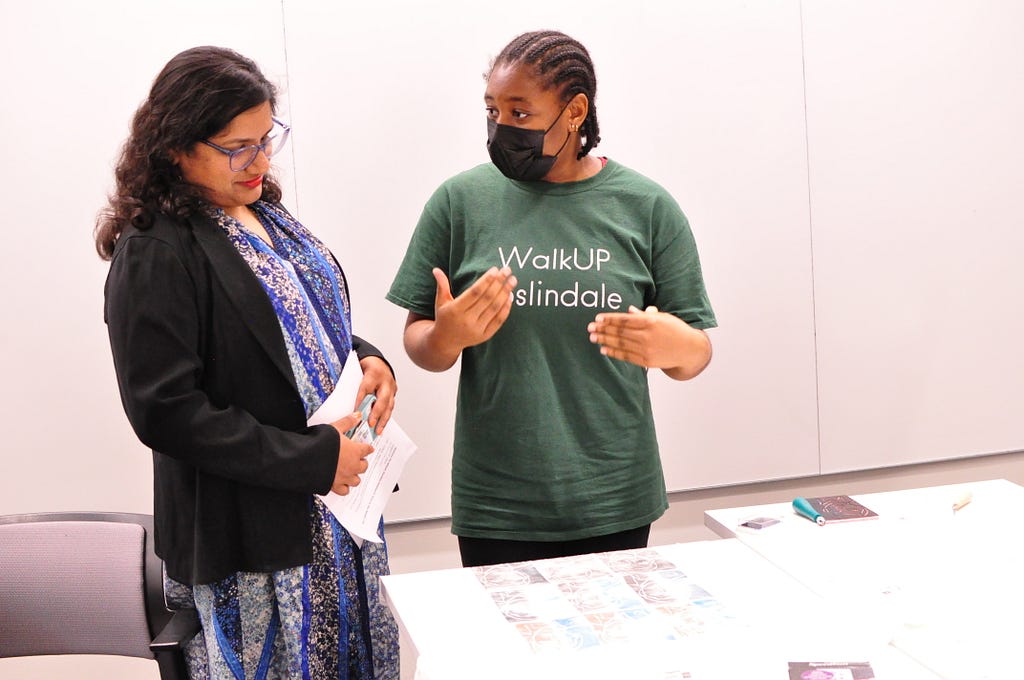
(351, 456)
(459, 322)
(476, 315)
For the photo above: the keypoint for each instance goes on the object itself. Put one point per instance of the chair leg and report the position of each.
(172, 665)
(169, 644)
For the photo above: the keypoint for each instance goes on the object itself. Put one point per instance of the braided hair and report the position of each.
(559, 62)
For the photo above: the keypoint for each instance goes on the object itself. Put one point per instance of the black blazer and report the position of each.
(206, 383)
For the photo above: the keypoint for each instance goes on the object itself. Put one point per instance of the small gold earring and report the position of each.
(573, 127)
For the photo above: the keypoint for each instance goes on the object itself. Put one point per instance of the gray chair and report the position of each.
(88, 583)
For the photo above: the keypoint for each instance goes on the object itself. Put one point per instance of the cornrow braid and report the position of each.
(558, 62)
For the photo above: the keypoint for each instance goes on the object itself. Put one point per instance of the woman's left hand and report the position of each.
(380, 381)
(652, 339)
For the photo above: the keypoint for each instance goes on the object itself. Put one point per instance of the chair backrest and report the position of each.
(79, 583)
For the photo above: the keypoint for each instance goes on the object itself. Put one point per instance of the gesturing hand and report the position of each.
(652, 339)
(475, 315)
(351, 456)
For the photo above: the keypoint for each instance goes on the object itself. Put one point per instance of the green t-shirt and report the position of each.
(554, 441)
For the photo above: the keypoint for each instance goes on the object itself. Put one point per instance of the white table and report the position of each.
(947, 588)
(750, 622)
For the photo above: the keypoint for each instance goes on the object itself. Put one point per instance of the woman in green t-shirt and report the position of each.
(558, 278)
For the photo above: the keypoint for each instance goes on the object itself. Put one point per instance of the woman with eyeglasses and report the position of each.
(229, 325)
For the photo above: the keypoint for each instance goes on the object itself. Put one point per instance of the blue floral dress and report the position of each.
(324, 619)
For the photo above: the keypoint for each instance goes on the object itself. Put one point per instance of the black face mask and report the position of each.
(519, 152)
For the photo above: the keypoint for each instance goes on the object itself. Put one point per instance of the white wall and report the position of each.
(915, 141)
(859, 225)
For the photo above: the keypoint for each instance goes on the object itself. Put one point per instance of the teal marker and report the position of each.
(803, 507)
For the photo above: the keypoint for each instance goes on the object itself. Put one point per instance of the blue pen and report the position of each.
(803, 507)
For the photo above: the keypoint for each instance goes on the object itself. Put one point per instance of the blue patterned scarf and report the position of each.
(307, 289)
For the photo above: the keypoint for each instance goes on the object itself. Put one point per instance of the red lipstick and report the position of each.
(254, 182)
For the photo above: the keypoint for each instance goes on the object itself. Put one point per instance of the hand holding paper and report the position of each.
(360, 510)
(352, 456)
(378, 381)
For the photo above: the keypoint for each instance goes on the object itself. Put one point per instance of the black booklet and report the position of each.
(830, 670)
(840, 508)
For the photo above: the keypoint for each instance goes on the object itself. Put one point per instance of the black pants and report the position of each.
(477, 552)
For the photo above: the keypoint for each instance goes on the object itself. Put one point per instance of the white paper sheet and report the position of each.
(360, 511)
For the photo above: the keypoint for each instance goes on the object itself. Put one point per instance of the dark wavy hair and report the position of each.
(196, 95)
(559, 62)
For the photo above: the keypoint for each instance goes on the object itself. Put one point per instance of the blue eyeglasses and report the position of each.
(240, 159)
